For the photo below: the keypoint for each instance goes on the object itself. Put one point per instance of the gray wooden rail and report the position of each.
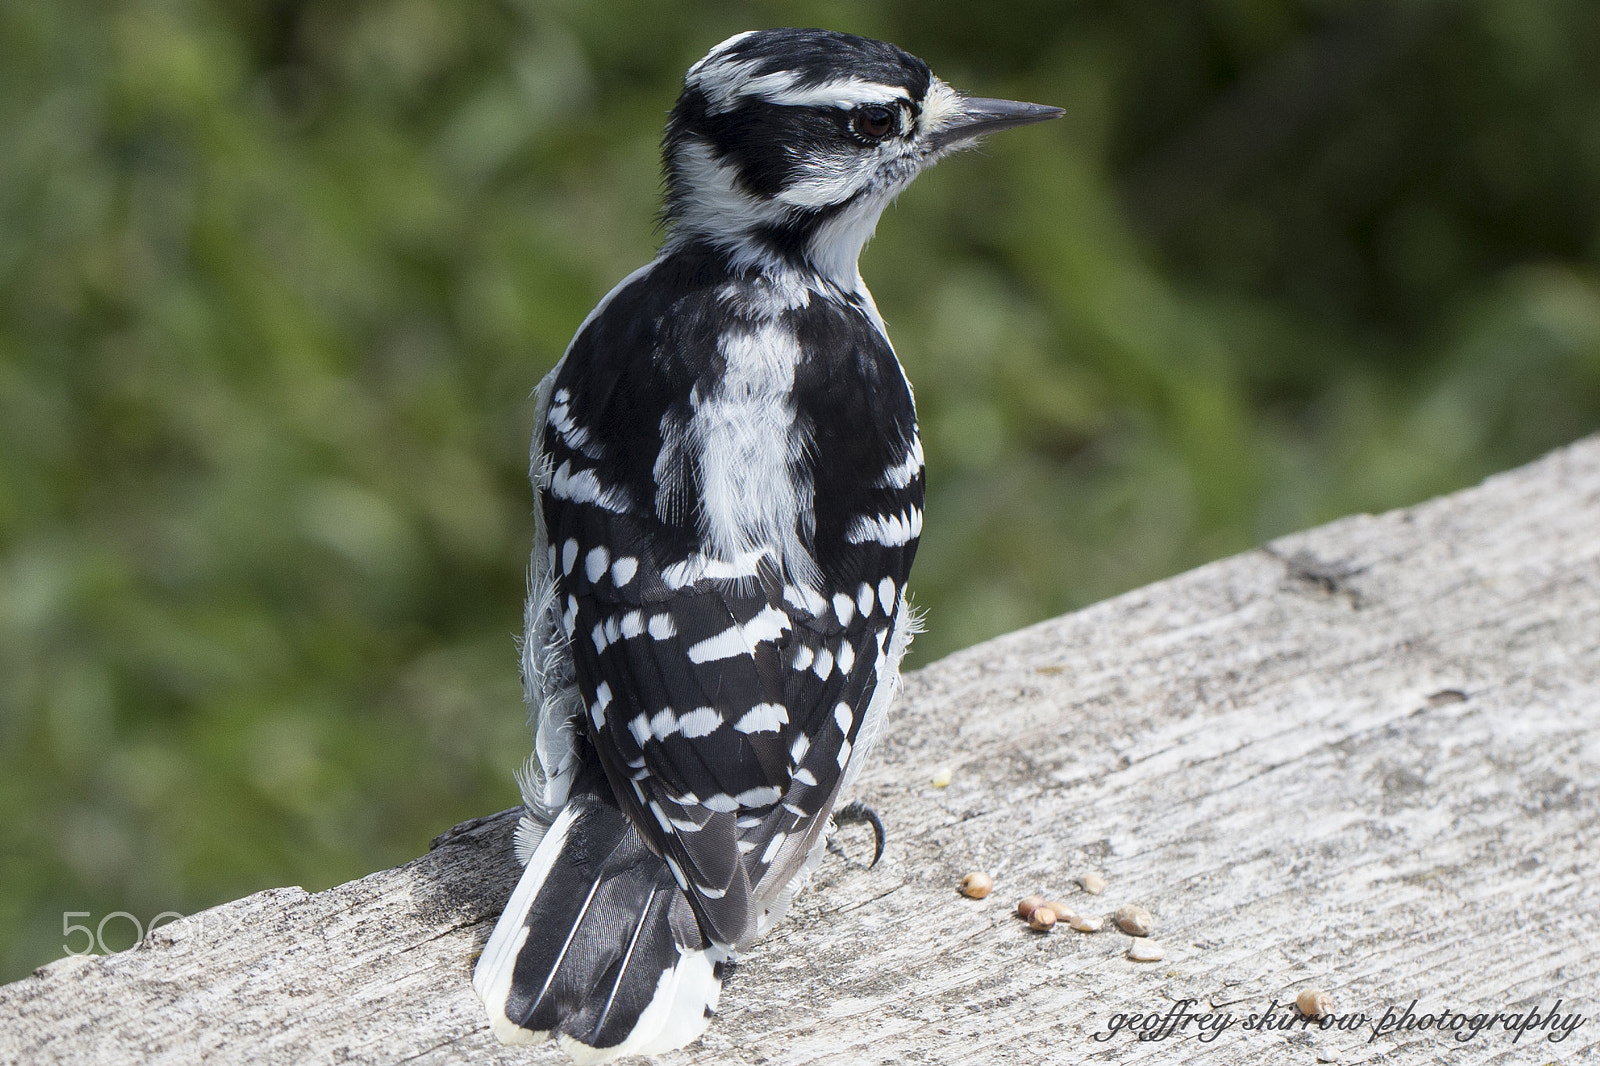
(1365, 758)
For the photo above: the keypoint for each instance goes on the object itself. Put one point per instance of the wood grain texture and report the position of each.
(1364, 758)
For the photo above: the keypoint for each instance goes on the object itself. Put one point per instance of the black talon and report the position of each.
(856, 811)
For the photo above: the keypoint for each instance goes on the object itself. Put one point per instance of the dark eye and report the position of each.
(873, 122)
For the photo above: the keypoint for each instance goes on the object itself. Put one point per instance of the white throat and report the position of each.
(835, 249)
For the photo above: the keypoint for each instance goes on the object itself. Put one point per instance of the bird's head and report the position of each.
(786, 145)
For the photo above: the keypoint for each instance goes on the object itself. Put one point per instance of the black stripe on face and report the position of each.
(767, 144)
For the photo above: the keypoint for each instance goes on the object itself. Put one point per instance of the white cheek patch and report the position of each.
(719, 204)
(830, 179)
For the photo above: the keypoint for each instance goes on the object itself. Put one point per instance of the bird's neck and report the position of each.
(708, 205)
(826, 249)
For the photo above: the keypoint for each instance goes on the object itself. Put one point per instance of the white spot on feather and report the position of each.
(844, 607)
(763, 718)
(768, 625)
(891, 531)
(699, 722)
(903, 473)
(583, 486)
(759, 797)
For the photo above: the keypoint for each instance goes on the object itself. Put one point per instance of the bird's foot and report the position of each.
(853, 813)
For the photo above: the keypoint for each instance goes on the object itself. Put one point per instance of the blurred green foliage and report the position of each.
(277, 277)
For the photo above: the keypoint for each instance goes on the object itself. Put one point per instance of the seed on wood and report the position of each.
(1314, 1003)
(1134, 920)
(977, 885)
(1042, 920)
(1027, 905)
(1093, 884)
(1064, 913)
(1085, 924)
(1143, 949)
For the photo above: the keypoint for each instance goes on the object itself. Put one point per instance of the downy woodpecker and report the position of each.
(729, 494)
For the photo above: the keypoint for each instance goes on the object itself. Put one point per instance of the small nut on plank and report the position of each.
(1042, 920)
(1134, 920)
(1093, 884)
(1085, 924)
(1064, 913)
(1314, 1003)
(977, 885)
(1027, 905)
(1143, 949)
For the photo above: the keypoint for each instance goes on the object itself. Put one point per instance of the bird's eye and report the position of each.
(873, 122)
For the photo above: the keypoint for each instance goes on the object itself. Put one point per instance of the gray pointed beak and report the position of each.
(979, 116)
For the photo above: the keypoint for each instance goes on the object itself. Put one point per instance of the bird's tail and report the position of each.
(598, 946)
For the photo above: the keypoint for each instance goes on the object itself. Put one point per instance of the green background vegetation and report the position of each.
(277, 277)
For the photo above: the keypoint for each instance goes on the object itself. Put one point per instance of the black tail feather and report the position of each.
(604, 941)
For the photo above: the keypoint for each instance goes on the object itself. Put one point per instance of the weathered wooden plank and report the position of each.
(1364, 758)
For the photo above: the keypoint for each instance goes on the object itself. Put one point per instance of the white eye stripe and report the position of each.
(726, 82)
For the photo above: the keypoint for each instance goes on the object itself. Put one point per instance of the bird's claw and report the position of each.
(855, 812)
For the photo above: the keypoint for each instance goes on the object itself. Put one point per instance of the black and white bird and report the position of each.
(730, 488)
